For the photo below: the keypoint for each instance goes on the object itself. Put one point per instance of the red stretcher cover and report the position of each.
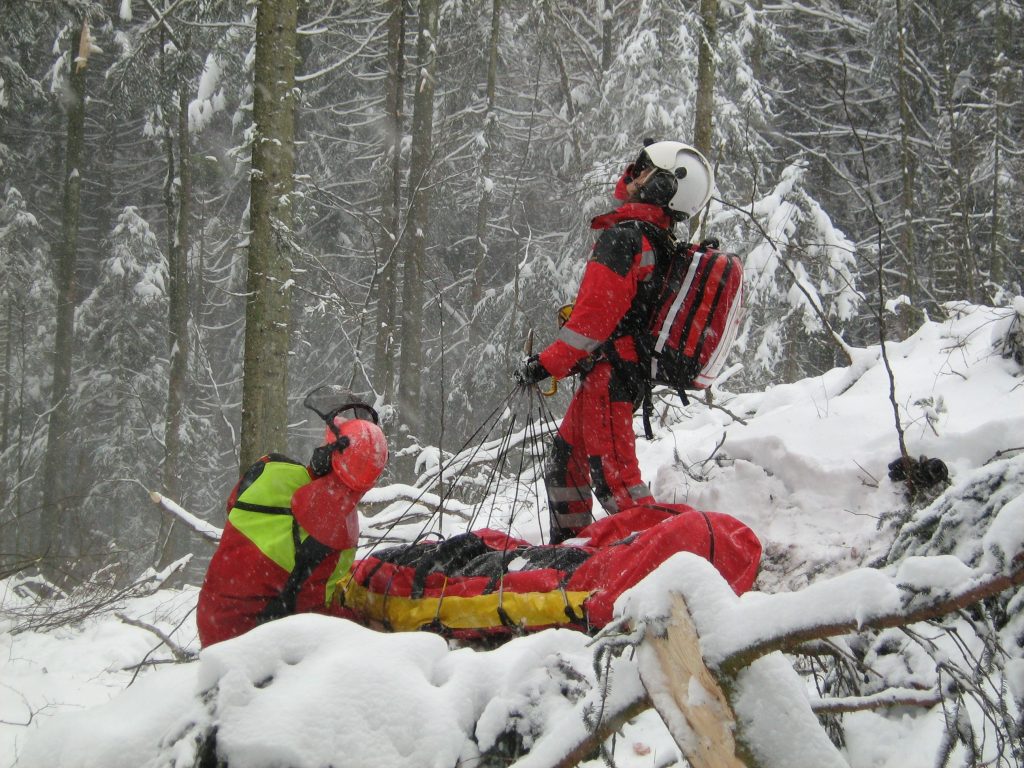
(488, 583)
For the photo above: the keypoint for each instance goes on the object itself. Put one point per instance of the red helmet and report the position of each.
(326, 507)
(358, 464)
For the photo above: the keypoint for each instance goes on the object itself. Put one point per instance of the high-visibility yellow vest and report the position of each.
(262, 513)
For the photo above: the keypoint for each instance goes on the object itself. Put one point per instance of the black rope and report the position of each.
(445, 466)
(540, 421)
(503, 448)
(551, 426)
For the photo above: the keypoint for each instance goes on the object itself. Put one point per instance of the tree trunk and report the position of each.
(484, 183)
(907, 173)
(607, 16)
(1003, 91)
(267, 310)
(554, 43)
(391, 202)
(965, 260)
(6, 383)
(178, 336)
(410, 370)
(54, 533)
(705, 106)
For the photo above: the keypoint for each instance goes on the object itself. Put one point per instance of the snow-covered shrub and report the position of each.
(1011, 342)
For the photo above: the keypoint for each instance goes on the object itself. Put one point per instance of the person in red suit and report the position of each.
(292, 529)
(595, 446)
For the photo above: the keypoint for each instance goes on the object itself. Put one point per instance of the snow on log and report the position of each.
(759, 718)
(712, 662)
(203, 528)
(382, 497)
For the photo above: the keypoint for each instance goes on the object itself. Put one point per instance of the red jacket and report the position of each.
(257, 551)
(622, 259)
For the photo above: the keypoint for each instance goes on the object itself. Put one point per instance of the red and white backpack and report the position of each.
(695, 315)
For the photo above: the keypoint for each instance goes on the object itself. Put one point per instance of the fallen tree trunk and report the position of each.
(680, 684)
(716, 674)
(729, 700)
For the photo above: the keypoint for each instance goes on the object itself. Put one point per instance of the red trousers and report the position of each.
(595, 448)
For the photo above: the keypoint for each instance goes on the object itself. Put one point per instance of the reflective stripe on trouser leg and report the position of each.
(601, 489)
(611, 443)
(567, 480)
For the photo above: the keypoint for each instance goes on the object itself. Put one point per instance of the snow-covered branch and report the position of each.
(203, 528)
(857, 607)
(712, 663)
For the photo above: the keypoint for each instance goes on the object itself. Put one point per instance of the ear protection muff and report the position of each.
(320, 461)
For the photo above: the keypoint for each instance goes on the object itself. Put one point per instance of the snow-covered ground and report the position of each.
(803, 464)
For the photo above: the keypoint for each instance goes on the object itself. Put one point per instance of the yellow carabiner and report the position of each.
(563, 317)
(563, 314)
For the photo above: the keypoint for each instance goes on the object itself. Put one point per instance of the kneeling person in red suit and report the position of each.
(292, 530)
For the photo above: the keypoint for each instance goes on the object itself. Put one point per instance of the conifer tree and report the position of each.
(55, 532)
(267, 316)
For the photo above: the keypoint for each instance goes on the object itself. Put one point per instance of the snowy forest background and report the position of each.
(448, 155)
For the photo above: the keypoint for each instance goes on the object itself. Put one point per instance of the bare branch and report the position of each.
(893, 697)
(203, 528)
(577, 748)
(176, 650)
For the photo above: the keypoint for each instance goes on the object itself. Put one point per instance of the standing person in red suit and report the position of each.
(595, 447)
(292, 529)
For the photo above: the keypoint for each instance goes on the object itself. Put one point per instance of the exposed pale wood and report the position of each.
(709, 716)
(84, 48)
(203, 528)
(711, 736)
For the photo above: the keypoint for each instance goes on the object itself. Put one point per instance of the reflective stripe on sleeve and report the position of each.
(647, 257)
(578, 340)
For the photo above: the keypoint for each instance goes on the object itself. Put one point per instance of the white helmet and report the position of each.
(687, 186)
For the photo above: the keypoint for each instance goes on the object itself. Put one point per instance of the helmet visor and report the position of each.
(335, 404)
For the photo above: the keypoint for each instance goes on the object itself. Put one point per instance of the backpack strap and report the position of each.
(665, 248)
(250, 476)
(308, 555)
(648, 409)
(638, 319)
(648, 406)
